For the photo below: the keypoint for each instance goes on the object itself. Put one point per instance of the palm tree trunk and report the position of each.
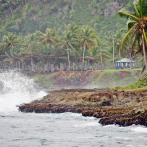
(88, 64)
(49, 66)
(19, 66)
(144, 53)
(131, 62)
(32, 65)
(83, 56)
(68, 59)
(22, 66)
(119, 53)
(16, 65)
(101, 58)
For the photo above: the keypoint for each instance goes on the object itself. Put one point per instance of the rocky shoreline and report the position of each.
(111, 106)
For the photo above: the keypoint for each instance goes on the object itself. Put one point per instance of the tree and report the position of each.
(10, 41)
(67, 42)
(57, 55)
(31, 49)
(87, 40)
(137, 25)
(41, 51)
(50, 37)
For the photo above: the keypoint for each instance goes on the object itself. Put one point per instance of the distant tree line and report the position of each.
(78, 48)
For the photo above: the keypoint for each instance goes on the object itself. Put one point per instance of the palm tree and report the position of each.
(50, 37)
(137, 24)
(118, 40)
(12, 57)
(87, 40)
(10, 41)
(100, 52)
(72, 28)
(57, 56)
(111, 42)
(31, 49)
(67, 43)
(101, 56)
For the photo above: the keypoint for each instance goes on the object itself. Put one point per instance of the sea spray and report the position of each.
(16, 89)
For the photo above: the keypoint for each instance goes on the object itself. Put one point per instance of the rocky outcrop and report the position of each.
(113, 107)
(128, 119)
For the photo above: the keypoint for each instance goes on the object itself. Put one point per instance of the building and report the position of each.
(125, 63)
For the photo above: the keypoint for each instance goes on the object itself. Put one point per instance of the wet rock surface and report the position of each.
(113, 107)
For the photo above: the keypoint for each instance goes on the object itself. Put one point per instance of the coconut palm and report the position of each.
(10, 41)
(31, 49)
(67, 43)
(137, 24)
(87, 40)
(57, 56)
(101, 55)
(72, 28)
(50, 37)
(10, 58)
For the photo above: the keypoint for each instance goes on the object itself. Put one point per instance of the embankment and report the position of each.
(87, 79)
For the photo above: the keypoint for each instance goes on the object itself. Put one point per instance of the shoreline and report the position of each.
(123, 108)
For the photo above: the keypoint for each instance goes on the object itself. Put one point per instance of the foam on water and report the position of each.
(140, 129)
(83, 125)
(16, 89)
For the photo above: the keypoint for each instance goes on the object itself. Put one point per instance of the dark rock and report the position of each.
(88, 113)
(106, 103)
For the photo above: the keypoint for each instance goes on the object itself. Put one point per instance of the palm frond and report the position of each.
(136, 10)
(126, 36)
(124, 13)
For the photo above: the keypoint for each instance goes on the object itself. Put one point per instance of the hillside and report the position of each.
(24, 17)
(87, 79)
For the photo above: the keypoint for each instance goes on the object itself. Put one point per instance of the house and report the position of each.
(125, 63)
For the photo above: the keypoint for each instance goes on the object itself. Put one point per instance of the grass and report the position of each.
(125, 69)
(44, 80)
(142, 89)
(140, 85)
(96, 79)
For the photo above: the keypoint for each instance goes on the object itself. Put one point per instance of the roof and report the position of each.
(125, 60)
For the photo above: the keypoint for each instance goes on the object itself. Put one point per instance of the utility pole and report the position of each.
(113, 53)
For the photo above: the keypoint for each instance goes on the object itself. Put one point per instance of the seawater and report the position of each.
(54, 130)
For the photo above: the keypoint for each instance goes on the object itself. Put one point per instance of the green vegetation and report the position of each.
(25, 17)
(76, 49)
(88, 79)
(72, 35)
(71, 47)
(140, 84)
(137, 28)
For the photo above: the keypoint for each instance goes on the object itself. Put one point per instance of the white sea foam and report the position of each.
(17, 89)
(139, 129)
(90, 124)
